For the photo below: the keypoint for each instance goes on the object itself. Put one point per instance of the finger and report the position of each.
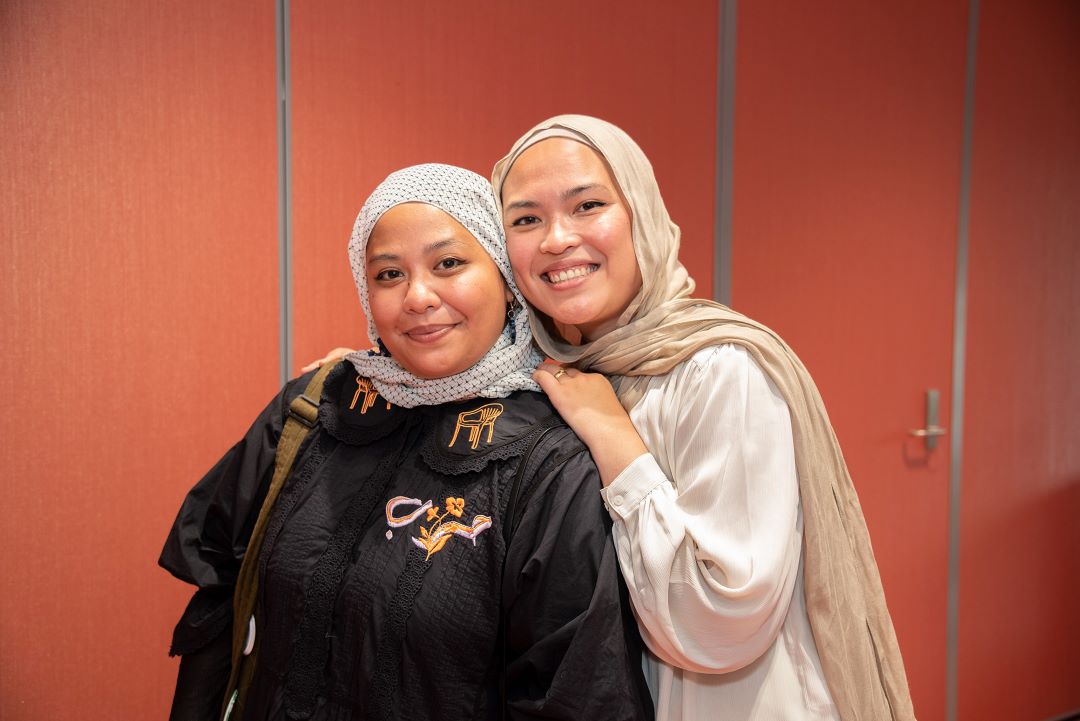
(551, 369)
(546, 380)
(311, 366)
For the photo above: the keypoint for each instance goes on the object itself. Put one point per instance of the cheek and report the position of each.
(383, 312)
(619, 246)
(521, 255)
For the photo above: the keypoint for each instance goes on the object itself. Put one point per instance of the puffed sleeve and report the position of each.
(573, 647)
(710, 550)
(205, 547)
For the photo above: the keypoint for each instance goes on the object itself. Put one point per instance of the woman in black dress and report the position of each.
(438, 549)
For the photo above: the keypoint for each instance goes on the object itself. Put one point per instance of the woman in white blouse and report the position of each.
(737, 526)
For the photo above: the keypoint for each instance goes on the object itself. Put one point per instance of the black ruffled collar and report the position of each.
(466, 436)
(353, 412)
(457, 438)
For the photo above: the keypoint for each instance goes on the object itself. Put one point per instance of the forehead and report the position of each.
(418, 224)
(553, 165)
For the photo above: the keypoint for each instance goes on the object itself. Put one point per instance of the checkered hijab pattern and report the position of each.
(467, 197)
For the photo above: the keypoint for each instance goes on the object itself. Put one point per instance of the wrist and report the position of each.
(615, 449)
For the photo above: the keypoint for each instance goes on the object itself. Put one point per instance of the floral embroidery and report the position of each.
(436, 535)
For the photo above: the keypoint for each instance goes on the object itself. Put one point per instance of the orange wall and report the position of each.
(138, 323)
(1020, 516)
(139, 286)
(458, 83)
(138, 227)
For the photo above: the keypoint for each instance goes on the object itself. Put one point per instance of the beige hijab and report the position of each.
(662, 327)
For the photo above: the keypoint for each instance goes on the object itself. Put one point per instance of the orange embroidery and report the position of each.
(363, 385)
(476, 421)
(455, 506)
(434, 537)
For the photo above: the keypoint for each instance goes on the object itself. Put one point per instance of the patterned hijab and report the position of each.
(465, 196)
(662, 327)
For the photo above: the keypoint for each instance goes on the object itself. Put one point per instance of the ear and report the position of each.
(507, 295)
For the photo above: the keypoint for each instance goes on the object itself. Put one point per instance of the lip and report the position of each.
(429, 333)
(566, 266)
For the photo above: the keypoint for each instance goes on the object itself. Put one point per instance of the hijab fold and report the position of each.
(662, 327)
(465, 196)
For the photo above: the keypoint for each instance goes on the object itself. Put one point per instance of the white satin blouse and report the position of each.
(708, 529)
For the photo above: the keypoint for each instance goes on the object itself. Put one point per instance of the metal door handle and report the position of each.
(932, 430)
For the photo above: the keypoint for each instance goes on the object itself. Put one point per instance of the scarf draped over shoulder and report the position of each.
(662, 327)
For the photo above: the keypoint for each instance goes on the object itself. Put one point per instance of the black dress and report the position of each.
(386, 578)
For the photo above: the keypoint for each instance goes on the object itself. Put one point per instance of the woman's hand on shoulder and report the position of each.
(588, 404)
(336, 354)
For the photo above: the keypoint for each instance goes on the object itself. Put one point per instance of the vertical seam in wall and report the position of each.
(725, 143)
(285, 239)
(956, 444)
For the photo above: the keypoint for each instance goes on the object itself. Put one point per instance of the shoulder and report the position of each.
(711, 365)
(720, 357)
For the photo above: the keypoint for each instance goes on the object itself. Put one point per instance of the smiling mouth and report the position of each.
(567, 274)
(429, 333)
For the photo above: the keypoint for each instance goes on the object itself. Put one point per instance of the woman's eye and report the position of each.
(388, 274)
(591, 204)
(450, 263)
(525, 220)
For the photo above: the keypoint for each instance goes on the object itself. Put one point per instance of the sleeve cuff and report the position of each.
(625, 493)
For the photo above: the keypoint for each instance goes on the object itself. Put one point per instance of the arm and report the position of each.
(710, 543)
(573, 646)
(206, 547)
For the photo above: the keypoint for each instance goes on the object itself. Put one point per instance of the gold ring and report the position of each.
(560, 373)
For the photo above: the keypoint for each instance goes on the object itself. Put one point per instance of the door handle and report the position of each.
(932, 431)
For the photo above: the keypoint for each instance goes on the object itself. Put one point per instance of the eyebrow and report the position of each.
(566, 195)
(578, 190)
(428, 249)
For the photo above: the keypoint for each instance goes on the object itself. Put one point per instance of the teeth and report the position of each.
(570, 273)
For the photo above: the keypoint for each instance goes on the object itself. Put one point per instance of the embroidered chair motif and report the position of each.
(476, 421)
(363, 385)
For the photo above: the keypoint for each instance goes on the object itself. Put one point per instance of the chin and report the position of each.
(436, 369)
(573, 315)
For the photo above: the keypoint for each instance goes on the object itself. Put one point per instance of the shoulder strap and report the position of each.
(302, 416)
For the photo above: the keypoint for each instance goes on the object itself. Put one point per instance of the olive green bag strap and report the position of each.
(303, 412)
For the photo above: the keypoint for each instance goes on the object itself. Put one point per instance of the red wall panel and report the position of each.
(378, 86)
(139, 255)
(1020, 524)
(846, 179)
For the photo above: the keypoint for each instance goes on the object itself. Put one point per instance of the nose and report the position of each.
(559, 237)
(420, 296)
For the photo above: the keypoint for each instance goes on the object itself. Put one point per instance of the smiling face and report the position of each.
(568, 232)
(437, 298)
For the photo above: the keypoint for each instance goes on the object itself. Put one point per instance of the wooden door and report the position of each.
(848, 126)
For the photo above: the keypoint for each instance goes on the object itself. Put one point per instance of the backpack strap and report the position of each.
(301, 418)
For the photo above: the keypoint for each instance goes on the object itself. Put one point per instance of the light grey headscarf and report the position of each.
(467, 197)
